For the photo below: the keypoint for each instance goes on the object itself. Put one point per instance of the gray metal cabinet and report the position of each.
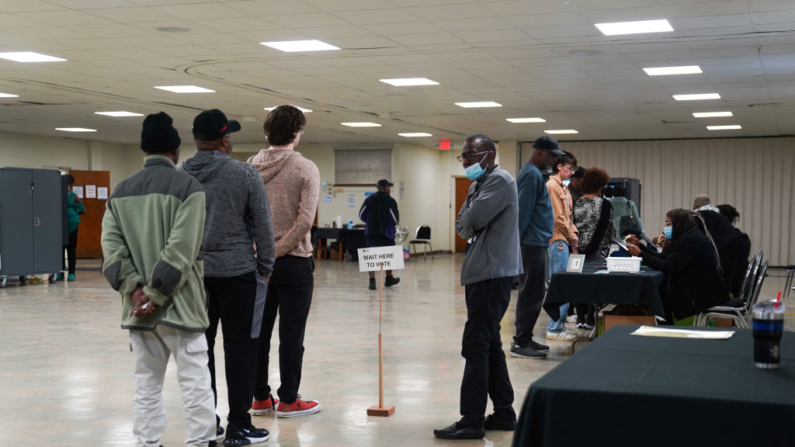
(31, 221)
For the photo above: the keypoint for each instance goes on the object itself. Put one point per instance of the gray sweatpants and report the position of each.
(152, 350)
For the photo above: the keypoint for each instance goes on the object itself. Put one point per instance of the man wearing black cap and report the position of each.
(380, 214)
(536, 225)
(151, 241)
(235, 273)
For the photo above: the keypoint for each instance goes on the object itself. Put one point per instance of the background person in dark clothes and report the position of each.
(575, 184)
(690, 263)
(489, 217)
(380, 214)
(734, 246)
(235, 277)
(536, 225)
(729, 212)
(75, 209)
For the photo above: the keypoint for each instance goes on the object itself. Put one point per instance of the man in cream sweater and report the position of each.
(293, 186)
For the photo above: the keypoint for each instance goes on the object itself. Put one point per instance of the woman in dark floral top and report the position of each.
(596, 228)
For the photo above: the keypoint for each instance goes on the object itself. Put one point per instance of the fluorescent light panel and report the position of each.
(415, 134)
(293, 46)
(478, 105)
(561, 132)
(119, 114)
(299, 108)
(74, 129)
(712, 114)
(667, 71)
(730, 127)
(409, 82)
(8, 95)
(526, 120)
(642, 27)
(361, 124)
(697, 97)
(184, 89)
(29, 56)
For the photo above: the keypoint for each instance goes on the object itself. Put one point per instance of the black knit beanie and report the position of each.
(159, 135)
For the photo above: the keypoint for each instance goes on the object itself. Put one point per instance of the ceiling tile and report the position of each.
(426, 39)
(378, 16)
(403, 29)
(446, 12)
(27, 6)
(493, 36)
(722, 21)
(113, 30)
(270, 8)
(64, 18)
(91, 4)
(239, 24)
(551, 32)
(349, 5)
(547, 20)
(480, 24)
(200, 11)
(131, 15)
(523, 7)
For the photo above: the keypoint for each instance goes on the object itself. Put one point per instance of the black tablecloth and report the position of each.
(627, 390)
(614, 288)
(328, 233)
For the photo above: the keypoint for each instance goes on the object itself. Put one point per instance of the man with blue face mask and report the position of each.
(489, 218)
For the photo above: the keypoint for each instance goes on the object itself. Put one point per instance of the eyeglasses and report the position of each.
(569, 168)
(668, 224)
(469, 156)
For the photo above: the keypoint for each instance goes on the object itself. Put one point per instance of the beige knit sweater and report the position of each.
(293, 186)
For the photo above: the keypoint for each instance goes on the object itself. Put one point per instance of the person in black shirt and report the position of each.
(380, 214)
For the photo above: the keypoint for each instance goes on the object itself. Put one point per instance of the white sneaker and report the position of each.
(571, 319)
(561, 336)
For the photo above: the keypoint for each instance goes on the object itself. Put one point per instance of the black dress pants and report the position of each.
(531, 292)
(290, 296)
(236, 302)
(485, 373)
(71, 252)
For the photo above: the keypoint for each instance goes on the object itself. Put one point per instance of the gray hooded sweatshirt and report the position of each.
(238, 216)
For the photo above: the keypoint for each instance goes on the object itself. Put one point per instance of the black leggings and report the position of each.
(71, 252)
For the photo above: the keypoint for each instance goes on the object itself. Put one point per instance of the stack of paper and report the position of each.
(652, 331)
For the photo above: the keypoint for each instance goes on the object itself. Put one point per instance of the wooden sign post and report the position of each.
(378, 259)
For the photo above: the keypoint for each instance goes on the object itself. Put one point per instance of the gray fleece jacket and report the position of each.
(238, 216)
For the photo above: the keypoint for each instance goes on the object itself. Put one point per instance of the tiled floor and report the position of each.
(66, 369)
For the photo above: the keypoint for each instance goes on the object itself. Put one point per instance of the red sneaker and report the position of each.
(262, 407)
(297, 408)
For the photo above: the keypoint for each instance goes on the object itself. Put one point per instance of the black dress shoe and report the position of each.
(452, 432)
(493, 423)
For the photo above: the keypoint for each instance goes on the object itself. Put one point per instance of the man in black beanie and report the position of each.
(151, 241)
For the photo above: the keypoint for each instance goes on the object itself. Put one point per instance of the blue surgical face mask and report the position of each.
(668, 232)
(566, 182)
(476, 171)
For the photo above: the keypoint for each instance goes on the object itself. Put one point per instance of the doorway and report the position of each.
(461, 191)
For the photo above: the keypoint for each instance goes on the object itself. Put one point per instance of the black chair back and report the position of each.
(424, 232)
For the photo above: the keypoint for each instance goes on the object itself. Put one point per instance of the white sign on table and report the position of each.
(371, 259)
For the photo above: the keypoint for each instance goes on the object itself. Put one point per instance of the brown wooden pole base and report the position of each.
(380, 411)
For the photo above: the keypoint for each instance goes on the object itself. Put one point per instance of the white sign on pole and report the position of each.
(371, 259)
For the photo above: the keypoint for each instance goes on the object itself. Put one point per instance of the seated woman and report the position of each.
(593, 217)
(691, 265)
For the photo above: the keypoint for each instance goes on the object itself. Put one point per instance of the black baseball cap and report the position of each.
(549, 144)
(212, 124)
(383, 183)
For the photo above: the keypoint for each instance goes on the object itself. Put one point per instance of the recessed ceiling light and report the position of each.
(184, 89)
(415, 134)
(74, 129)
(731, 127)
(477, 105)
(293, 46)
(642, 27)
(561, 131)
(526, 120)
(28, 56)
(407, 82)
(666, 71)
(361, 124)
(8, 95)
(119, 114)
(697, 97)
(712, 114)
(299, 108)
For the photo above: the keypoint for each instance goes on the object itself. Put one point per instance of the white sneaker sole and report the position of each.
(292, 414)
(258, 440)
(261, 412)
(553, 336)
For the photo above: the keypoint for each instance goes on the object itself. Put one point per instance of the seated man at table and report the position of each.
(690, 262)
(734, 246)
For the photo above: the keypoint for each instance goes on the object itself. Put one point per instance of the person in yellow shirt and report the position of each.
(564, 237)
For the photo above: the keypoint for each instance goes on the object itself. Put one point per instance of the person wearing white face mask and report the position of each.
(489, 218)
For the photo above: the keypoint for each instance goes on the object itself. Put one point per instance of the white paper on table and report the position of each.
(651, 331)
